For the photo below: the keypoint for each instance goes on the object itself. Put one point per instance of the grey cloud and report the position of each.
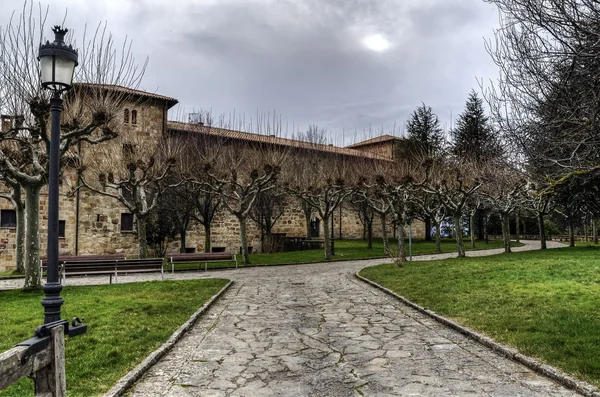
(304, 58)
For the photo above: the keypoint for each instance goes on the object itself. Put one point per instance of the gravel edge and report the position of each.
(135, 374)
(548, 371)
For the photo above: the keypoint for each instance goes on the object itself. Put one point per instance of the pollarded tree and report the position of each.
(238, 173)
(88, 115)
(399, 187)
(269, 207)
(322, 181)
(372, 192)
(453, 181)
(132, 169)
(432, 207)
(473, 137)
(505, 194)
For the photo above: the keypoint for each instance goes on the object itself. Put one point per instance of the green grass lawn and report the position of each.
(11, 273)
(544, 303)
(126, 322)
(355, 249)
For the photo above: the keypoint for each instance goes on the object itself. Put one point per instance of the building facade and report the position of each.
(94, 224)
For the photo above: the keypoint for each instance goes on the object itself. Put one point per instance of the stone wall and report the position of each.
(93, 222)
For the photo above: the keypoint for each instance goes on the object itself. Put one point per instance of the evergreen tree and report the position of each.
(425, 136)
(473, 137)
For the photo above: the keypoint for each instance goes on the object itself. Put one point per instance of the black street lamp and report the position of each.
(57, 64)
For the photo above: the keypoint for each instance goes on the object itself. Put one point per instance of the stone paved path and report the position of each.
(315, 330)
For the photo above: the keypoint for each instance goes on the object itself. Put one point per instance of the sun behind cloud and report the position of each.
(376, 42)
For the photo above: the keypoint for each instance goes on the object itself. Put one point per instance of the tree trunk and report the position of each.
(571, 234)
(244, 241)
(370, 234)
(326, 238)
(542, 231)
(307, 214)
(401, 246)
(460, 248)
(438, 237)
(207, 234)
(595, 230)
(427, 228)
(518, 227)
(142, 240)
(585, 228)
(481, 222)
(182, 240)
(506, 231)
(20, 232)
(384, 235)
(485, 232)
(32, 238)
(472, 228)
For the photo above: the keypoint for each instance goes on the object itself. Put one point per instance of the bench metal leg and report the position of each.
(162, 274)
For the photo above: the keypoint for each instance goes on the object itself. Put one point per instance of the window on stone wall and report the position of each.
(8, 218)
(126, 116)
(126, 222)
(134, 117)
(61, 228)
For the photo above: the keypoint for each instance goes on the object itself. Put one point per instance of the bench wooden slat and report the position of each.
(201, 258)
(111, 267)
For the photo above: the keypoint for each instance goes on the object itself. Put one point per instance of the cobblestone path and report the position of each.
(315, 330)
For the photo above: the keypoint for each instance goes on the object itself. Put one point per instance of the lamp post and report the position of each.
(57, 65)
(332, 236)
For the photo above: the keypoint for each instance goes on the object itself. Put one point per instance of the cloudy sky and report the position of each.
(345, 65)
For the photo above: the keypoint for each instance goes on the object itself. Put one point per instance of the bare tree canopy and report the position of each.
(88, 114)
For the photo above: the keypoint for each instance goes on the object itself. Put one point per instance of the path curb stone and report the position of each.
(135, 374)
(568, 381)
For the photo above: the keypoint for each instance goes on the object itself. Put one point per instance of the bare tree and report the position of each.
(365, 214)
(505, 193)
(88, 115)
(132, 169)
(431, 206)
(453, 181)
(372, 193)
(238, 173)
(322, 182)
(314, 135)
(269, 207)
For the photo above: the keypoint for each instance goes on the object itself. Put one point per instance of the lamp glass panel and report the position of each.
(46, 68)
(64, 71)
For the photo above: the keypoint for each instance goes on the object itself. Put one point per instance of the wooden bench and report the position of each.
(315, 243)
(62, 259)
(201, 258)
(111, 267)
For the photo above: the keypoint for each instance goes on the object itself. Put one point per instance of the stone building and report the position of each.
(93, 224)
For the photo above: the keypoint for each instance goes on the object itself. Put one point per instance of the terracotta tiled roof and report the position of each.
(379, 139)
(170, 101)
(247, 136)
